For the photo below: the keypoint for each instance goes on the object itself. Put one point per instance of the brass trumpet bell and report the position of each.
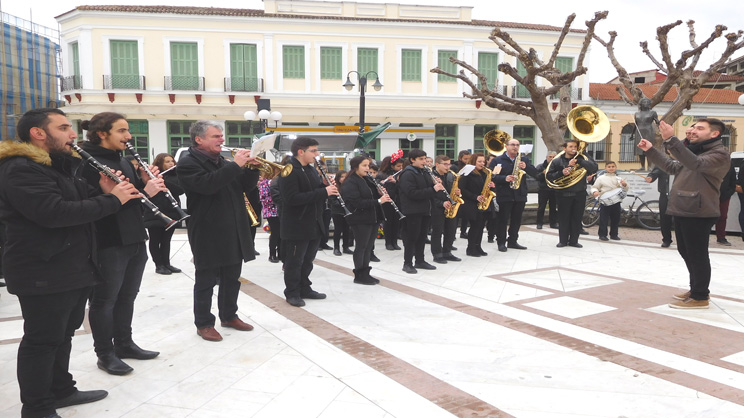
(588, 123)
(267, 167)
(495, 142)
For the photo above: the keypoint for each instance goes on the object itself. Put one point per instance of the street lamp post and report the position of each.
(348, 85)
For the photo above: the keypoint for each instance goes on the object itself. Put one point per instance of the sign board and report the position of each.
(342, 129)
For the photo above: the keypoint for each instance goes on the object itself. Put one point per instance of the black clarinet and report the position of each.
(181, 214)
(169, 223)
(382, 191)
(327, 179)
(434, 178)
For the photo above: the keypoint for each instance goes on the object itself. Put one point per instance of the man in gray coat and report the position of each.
(693, 199)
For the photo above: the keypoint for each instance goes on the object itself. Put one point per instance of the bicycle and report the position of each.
(647, 214)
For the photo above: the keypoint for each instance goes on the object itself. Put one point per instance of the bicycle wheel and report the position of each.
(649, 215)
(591, 213)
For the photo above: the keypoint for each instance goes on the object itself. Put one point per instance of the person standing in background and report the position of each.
(160, 238)
(728, 187)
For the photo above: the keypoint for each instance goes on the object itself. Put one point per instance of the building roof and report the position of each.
(219, 11)
(598, 91)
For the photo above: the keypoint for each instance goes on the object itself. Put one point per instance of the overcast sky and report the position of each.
(633, 20)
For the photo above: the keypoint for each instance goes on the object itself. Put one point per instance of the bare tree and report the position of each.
(536, 107)
(679, 73)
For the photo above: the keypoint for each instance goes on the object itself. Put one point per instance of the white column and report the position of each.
(465, 138)
(158, 136)
(85, 54)
(540, 150)
(268, 61)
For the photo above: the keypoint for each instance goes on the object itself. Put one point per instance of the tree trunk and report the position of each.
(549, 129)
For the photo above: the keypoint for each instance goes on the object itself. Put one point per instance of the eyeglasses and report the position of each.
(312, 150)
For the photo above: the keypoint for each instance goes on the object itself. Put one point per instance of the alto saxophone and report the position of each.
(487, 193)
(517, 173)
(452, 211)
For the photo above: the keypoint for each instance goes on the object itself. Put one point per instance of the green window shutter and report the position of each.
(184, 66)
(366, 60)
(410, 64)
(564, 65)
(330, 63)
(243, 67)
(124, 65)
(77, 82)
(140, 137)
(294, 61)
(522, 92)
(488, 63)
(444, 63)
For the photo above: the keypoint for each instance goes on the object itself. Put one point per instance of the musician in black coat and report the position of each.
(160, 238)
(122, 253)
(443, 229)
(303, 200)
(511, 201)
(388, 177)
(545, 195)
(363, 200)
(219, 226)
(417, 189)
(571, 200)
(471, 187)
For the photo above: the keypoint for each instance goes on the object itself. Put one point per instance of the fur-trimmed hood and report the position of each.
(10, 148)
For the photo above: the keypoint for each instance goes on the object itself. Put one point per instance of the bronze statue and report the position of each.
(644, 119)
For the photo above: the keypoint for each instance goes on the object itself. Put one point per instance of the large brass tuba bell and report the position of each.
(495, 142)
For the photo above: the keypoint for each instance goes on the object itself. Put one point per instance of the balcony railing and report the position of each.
(520, 92)
(73, 82)
(184, 82)
(244, 84)
(132, 82)
(497, 89)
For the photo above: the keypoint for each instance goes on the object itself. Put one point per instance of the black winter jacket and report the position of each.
(303, 202)
(48, 211)
(416, 190)
(219, 228)
(556, 171)
(504, 192)
(174, 187)
(361, 199)
(471, 187)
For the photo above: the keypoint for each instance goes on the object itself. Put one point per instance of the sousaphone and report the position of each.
(495, 142)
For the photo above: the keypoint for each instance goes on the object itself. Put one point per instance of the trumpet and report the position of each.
(267, 167)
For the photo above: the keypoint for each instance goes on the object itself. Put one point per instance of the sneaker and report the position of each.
(724, 242)
(682, 296)
(689, 303)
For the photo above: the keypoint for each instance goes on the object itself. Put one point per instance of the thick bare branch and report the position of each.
(661, 36)
(697, 50)
(624, 95)
(590, 26)
(507, 39)
(561, 37)
(504, 47)
(660, 66)
(691, 28)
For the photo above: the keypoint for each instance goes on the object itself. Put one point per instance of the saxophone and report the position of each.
(487, 193)
(452, 211)
(517, 173)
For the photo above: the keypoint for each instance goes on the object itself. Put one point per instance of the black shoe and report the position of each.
(132, 350)
(113, 365)
(424, 266)
(336, 251)
(483, 253)
(615, 238)
(583, 232)
(666, 244)
(396, 247)
(80, 397)
(256, 253)
(313, 295)
(490, 240)
(604, 238)
(409, 269)
(577, 245)
(472, 253)
(162, 270)
(560, 244)
(369, 281)
(516, 246)
(440, 260)
(173, 269)
(295, 301)
(554, 226)
(502, 248)
(450, 257)
(389, 247)
(453, 248)
(347, 251)
(273, 259)
(374, 258)
(539, 226)
(325, 247)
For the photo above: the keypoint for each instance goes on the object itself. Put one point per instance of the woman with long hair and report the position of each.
(341, 234)
(471, 187)
(363, 200)
(160, 238)
(270, 212)
(391, 224)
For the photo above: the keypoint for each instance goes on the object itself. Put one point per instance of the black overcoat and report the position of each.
(416, 190)
(471, 187)
(303, 201)
(504, 192)
(361, 199)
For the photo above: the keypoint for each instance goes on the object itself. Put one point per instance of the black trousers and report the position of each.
(391, 225)
(475, 233)
(112, 301)
(159, 245)
(274, 238)
(341, 232)
(49, 322)
(570, 211)
(414, 237)
(364, 236)
(509, 213)
(546, 198)
(668, 220)
(692, 243)
(327, 223)
(228, 277)
(443, 232)
(298, 264)
(492, 221)
(609, 214)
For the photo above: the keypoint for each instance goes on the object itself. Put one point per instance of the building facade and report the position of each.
(28, 58)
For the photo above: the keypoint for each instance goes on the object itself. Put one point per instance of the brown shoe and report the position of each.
(209, 334)
(682, 296)
(689, 303)
(238, 324)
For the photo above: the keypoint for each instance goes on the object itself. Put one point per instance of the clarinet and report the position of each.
(382, 191)
(434, 178)
(169, 223)
(181, 214)
(338, 196)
